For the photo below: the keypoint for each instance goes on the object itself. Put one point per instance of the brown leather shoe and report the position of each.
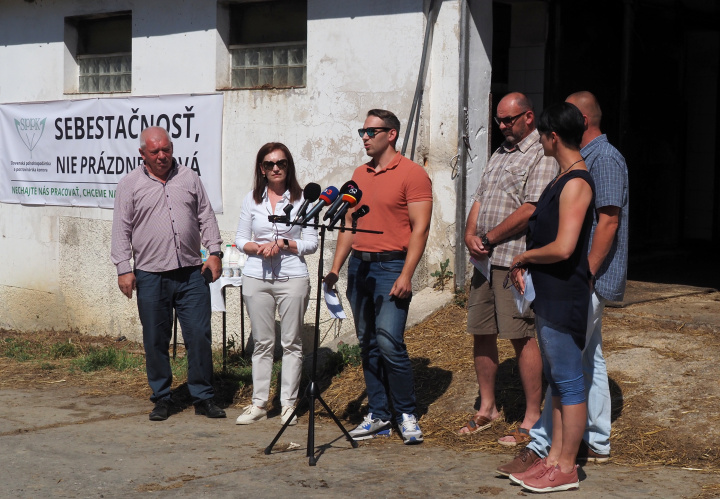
(586, 455)
(523, 460)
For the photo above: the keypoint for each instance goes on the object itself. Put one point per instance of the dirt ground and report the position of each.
(661, 348)
(662, 359)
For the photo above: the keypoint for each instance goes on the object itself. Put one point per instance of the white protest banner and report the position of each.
(73, 153)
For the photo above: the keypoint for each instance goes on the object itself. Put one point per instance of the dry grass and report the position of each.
(445, 384)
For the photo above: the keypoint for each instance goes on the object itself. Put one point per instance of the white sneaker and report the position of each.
(410, 430)
(287, 411)
(370, 427)
(251, 414)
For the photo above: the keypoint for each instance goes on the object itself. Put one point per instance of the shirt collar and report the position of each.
(394, 162)
(285, 196)
(524, 144)
(592, 145)
(171, 174)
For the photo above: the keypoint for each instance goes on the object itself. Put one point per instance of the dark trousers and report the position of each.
(184, 290)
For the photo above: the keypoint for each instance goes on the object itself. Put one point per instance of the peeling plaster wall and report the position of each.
(440, 118)
(478, 67)
(57, 271)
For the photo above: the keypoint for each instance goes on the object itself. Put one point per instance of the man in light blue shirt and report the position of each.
(608, 259)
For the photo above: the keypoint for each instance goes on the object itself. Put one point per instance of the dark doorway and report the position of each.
(654, 67)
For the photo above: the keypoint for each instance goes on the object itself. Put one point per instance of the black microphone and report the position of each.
(327, 197)
(348, 201)
(359, 213)
(288, 209)
(347, 187)
(279, 218)
(311, 193)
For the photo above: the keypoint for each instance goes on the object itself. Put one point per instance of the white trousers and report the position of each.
(291, 299)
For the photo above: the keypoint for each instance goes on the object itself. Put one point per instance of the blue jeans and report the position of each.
(562, 361)
(186, 291)
(380, 326)
(597, 389)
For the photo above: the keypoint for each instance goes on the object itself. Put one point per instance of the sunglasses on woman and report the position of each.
(269, 165)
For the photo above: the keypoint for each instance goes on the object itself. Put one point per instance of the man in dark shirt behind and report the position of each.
(158, 210)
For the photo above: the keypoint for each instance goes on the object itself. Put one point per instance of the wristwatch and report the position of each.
(486, 242)
(218, 254)
(286, 243)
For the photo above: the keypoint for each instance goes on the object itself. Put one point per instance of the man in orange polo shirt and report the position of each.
(399, 195)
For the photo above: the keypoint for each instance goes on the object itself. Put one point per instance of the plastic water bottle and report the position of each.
(226, 270)
(204, 254)
(235, 261)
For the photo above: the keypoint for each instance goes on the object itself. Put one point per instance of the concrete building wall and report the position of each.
(57, 271)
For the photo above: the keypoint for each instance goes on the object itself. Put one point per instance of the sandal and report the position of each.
(476, 424)
(520, 436)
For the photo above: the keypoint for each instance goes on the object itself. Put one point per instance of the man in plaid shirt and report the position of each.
(512, 182)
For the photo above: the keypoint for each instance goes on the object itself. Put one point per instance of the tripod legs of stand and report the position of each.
(312, 392)
(312, 395)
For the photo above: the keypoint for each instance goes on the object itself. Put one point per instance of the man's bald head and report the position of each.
(518, 100)
(153, 133)
(588, 105)
(515, 117)
(156, 150)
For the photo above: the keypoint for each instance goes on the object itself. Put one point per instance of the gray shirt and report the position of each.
(161, 225)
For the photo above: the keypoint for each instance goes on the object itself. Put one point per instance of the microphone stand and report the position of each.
(312, 392)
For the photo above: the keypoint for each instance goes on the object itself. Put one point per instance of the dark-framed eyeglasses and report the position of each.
(508, 278)
(508, 120)
(372, 131)
(269, 165)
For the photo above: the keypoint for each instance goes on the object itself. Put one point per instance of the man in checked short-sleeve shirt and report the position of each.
(510, 186)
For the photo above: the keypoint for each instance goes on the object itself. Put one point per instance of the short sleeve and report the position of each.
(609, 177)
(539, 176)
(419, 185)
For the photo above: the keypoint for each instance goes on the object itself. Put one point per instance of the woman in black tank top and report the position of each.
(556, 256)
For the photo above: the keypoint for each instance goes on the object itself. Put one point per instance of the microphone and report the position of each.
(278, 218)
(327, 197)
(311, 193)
(348, 201)
(347, 187)
(288, 209)
(359, 213)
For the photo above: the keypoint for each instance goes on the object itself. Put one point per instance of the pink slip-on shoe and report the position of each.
(552, 480)
(535, 469)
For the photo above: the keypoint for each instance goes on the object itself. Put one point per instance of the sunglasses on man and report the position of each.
(508, 120)
(372, 131)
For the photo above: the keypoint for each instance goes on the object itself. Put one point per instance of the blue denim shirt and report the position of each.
(609, 172)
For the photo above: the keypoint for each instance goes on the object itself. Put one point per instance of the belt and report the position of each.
(383, 256)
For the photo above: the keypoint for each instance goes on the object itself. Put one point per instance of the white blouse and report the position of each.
(254, 226)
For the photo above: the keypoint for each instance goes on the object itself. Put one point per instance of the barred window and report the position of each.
(104, 53)
(268, 44)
